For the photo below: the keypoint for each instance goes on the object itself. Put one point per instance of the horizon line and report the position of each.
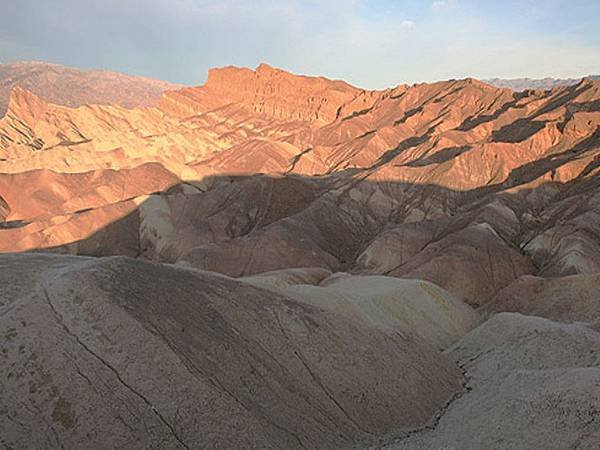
(409, 83)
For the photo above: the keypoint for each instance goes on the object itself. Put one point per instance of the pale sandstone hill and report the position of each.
(393, 305)
(531, 383)
(124, 353)
(284, 278)
(386, 303)
(75, 87)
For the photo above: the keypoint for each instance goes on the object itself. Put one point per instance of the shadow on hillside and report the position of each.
(323, 221)
(253, 202)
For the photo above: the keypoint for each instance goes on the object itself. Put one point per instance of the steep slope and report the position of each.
(78, 205)
(4, 210)
(31, 200)
(74, 87)
(37, 135)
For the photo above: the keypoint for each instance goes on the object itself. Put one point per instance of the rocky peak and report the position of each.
(271, 92)
(25, 105)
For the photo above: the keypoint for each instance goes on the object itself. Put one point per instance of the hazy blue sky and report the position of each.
(370, 43)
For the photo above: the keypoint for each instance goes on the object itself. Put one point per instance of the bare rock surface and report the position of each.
(458, 182)
(284, 278)
(168, 357)
(531, 383)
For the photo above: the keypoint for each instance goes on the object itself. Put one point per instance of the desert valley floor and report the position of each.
(279, 261)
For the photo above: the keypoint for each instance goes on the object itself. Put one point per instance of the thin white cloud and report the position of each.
(408, 24)
(441, 5)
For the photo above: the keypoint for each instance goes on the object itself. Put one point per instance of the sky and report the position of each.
(369, 43)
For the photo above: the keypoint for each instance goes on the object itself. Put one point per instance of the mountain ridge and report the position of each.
(521, 84)
(75, 87)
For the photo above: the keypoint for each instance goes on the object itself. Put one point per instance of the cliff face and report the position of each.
(265, 91)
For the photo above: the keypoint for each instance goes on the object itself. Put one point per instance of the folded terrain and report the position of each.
(265, 170)
(310, 259)
(574, 298)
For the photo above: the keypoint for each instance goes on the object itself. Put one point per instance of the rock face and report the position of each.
(308, 257)
(77, 206)
(4, 209)
(74, 87)
(167, 357)
(266, 91)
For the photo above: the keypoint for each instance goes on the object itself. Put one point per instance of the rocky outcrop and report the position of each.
(265, 91)
(4, 209)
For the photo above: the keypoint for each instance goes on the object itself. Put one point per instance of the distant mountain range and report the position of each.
(73, 87)
(521, 84)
